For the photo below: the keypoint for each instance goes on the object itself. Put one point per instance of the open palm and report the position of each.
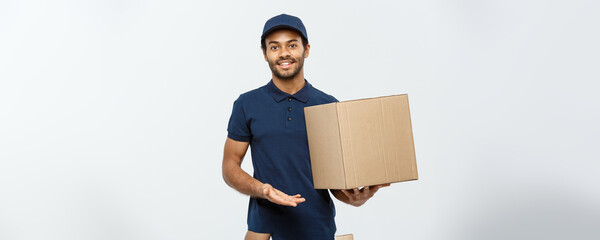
(279, 197)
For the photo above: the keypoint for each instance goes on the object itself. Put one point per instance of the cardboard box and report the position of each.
(344, 237)
(361, 143)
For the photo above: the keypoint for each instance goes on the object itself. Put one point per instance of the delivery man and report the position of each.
(270, 119)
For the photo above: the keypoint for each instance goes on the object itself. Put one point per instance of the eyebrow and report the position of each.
(293, 40)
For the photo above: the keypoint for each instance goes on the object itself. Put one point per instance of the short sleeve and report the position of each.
(333, 99)
(238, 128)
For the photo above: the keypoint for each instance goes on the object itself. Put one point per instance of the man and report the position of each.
(283, 202)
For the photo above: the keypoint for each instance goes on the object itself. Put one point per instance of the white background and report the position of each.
(114, 114)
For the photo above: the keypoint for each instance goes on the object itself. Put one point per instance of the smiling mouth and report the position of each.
(285, 65)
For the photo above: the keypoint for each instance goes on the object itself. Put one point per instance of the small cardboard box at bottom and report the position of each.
(361, 142)
(344, 237)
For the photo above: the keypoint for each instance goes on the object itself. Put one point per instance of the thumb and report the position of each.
(266, 191)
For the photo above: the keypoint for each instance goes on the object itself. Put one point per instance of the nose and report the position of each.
(285, 53)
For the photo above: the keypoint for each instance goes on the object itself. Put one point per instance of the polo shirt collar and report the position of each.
(303, 95)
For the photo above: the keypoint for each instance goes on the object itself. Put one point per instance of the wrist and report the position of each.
(260, 189)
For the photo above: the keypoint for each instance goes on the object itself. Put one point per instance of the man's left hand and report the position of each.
(357, 197)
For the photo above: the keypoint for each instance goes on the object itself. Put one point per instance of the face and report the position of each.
(285, 54)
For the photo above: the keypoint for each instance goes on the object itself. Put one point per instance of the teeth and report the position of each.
(285, 63)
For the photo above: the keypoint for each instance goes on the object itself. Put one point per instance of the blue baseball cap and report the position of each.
(283, 21)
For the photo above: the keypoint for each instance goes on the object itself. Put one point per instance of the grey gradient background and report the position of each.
(114, 114)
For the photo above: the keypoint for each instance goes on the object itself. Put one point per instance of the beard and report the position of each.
(290, 73)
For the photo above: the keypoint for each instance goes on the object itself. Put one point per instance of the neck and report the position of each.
(292, 85)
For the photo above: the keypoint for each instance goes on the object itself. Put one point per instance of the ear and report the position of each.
(307, 50)
(264, 54)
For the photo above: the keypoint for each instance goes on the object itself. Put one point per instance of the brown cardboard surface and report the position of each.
(326, 144)
(361, 142)
(344, 237)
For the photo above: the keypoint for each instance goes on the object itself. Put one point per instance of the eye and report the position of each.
(274, 47)
(293, 45)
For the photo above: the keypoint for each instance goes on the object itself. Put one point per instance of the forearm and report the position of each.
(241, 181)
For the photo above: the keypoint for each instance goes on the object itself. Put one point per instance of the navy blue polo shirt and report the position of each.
(273, 122)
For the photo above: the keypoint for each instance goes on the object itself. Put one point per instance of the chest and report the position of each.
(279, 120)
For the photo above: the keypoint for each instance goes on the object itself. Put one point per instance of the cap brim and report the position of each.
(279, 27)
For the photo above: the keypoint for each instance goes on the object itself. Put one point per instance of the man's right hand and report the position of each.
(279, 197)
(241, 181)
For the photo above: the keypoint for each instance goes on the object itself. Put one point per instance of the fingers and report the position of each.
(299, 200)
(366, 191)
(354, 193)
(296, 198)
(291, 201)
(279, 197)
(347, 193)
(286, 201)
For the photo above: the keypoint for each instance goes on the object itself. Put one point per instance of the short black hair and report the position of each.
(263, 44)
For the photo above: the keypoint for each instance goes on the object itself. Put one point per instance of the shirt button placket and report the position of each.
(289, 114)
